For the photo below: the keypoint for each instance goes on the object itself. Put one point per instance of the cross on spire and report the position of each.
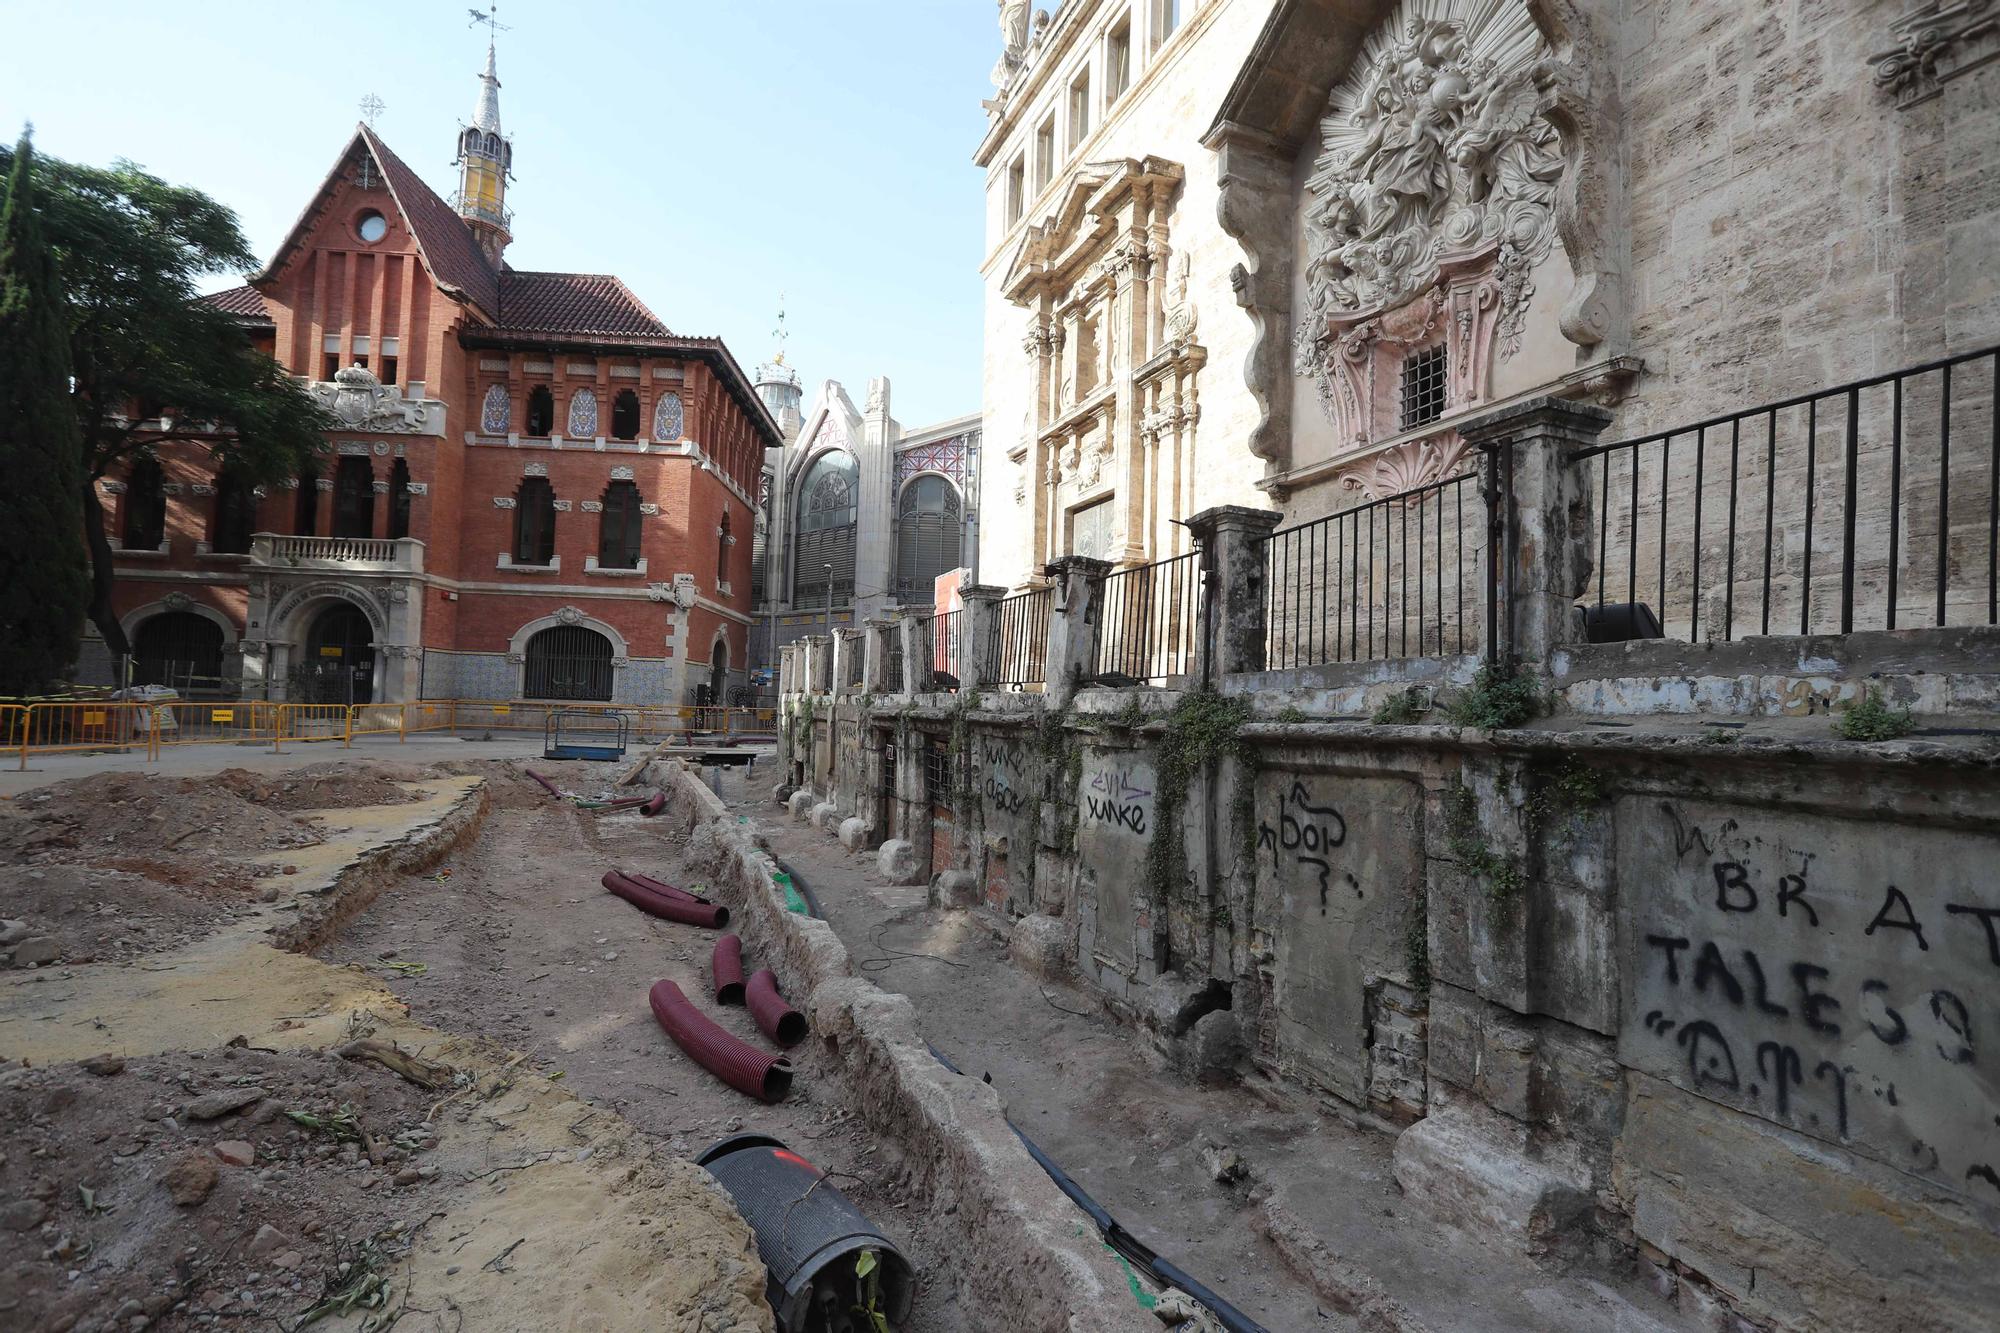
(371, 107)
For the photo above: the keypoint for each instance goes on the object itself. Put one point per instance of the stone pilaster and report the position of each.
(1078, 581)
(876, 634)
(1233, 632)
(915, 676)
(979, 637)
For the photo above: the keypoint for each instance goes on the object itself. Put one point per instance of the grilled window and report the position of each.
(235, 515)
(354, 498)
(829, 505)
(177, 648)
(399, 499)
(567, 662)
(534, 522)
(541, 410)
(930, 537)
(1423, 387)
(618, 531)
(145, 507)
(937, 773)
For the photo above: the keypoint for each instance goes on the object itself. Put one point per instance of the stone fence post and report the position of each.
(875, 655)
(1233, 631)
(847, 650)
(979, 637)
(819, 664)
(1543, 525)
(1078, 581)
(916, 672)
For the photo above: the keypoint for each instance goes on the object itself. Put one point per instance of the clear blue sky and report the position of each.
(711, 154)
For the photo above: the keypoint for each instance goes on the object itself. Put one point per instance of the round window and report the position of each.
(372, 226)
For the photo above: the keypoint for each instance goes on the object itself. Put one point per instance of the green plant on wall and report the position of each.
(1403, 707)
(1500, 875)
(1201, 729)
(1871, 719)
(1498, 698)
(1059, 750)
(1417, 944)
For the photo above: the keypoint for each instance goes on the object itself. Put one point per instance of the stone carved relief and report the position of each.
(535, 470)
(177, 601)
(419, 488)
(1935, 43)
(503, 502)
(352, 449)
(359, 401)
(1406, 466)
(323, 484)
(593, 506)
(381, 487)
(496, 412)
(1181, 310)
(621, 474)
(560, 506)
(569, 615)
(1433, 150)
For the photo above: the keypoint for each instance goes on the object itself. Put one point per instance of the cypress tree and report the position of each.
(44, 584)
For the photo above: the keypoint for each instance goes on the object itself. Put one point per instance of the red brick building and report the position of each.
(537, 490)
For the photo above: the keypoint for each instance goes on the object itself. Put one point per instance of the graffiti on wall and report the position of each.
(1305, 835)
(1002, 779)
(1119, 795)
(1838, 982)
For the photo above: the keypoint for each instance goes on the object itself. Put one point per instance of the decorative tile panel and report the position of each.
(668, 419)
(582, 415)
(496, 413)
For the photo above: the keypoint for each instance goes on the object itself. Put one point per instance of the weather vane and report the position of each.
(371, 107)
(780, 333)
(489, 18)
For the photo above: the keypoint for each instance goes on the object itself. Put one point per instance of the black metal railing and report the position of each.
(1150, 620)
(938, 637)
(894, 678)
(1019, 653)
(577, 676)
(1871, 505)
(1403, 576)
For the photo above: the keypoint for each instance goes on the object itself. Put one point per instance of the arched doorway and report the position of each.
(567, 662)
(179, 649)
(339, 666)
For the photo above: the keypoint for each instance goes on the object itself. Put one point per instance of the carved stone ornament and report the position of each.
(1406, 466)
(561, 506)
(649, 510)
(171, 488)
(503, 502)
(177, 601)
(621, 474)
(1432, 151)
(112, 487)
(1936, 43)
(202, 488)
(352, 449)
(535, 470)
(621, 661)
(419, 488)
(569, 615)
(381, 488)
(593, 506)
(516, 659)
(381, 448)
(686, 590)
(259, 492)
(359, 401)
(1181, 310)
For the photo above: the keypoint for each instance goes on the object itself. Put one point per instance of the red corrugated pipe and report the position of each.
(743, 1067)
(776, 1019)
(684, 908)
(547, 786)
(646, 881)
(726, 965)
(654, 806)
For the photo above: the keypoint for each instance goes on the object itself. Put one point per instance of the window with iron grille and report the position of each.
(534, 522)
(354, 497)
(930, 536)
(235, 515)
(567, 662)
(618, 529)
(1423, 387)
(145, 506)
(305, 520)
(937, 772)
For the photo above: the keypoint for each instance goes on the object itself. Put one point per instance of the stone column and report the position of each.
(875, 655)
(910, 626)
(1079, 590)
(1233, 633)
(979, 630)
(1543, 521)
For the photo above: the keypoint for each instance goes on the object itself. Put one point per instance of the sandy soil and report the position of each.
(517, 940)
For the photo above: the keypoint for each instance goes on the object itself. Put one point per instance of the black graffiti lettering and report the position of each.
(1671, 945)
(1732, 876)
(1267, 837)
(1950, 1011)
(1987, 916)
(1839, 1090)
(1760, 993)
(1132, 817)
(1792, 890)
(1895, 1036)
(1783, 1071)
(1909, 921)
(1687, 836)
(1708, 965)
(1981, 1171)
(1325, 871)
(1706, 1065)
(1812, 1003)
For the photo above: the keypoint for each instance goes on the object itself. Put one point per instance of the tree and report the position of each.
(43, 586)
(131, 251)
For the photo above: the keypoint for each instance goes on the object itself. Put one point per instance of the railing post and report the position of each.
(1234, 631)
(979, 637)
(916, 670)
(347, 731)
(875, 655)
(846, 656)
(1540, 541)
(1078, 582)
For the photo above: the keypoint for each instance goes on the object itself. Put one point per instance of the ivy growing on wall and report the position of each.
(1202, 728)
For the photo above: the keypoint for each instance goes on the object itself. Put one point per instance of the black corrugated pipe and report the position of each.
(805, 890)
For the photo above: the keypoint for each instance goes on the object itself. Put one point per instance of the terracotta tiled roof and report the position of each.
(243, 302)
(593, 305)
(455, 259)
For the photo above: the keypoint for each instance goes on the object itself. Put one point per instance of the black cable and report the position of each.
(812, 903)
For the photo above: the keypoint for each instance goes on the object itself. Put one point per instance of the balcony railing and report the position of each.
(386, 555)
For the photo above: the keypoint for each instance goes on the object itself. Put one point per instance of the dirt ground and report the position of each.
(519, 941)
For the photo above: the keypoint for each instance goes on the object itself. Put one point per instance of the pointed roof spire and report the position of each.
(487, 116)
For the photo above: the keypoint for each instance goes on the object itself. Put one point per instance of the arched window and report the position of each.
(534, 522)
(541, 410)
(354, 497)
(625, 416)
(399, 498)
(145, 508)
(235, 515)
(723, 541)
(567, 662)
(930, 537)
(618, 530)
(829, 504)
(177, 648)
(305, 512)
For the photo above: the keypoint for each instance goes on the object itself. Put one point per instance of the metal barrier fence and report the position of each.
(91, 725)
(1403, 576)
(1150, 620)
(1019, 653)
(939, 635)
(1872, 505)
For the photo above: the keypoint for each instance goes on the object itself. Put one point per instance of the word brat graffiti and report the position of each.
(1829, 990)
(1115, 798)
